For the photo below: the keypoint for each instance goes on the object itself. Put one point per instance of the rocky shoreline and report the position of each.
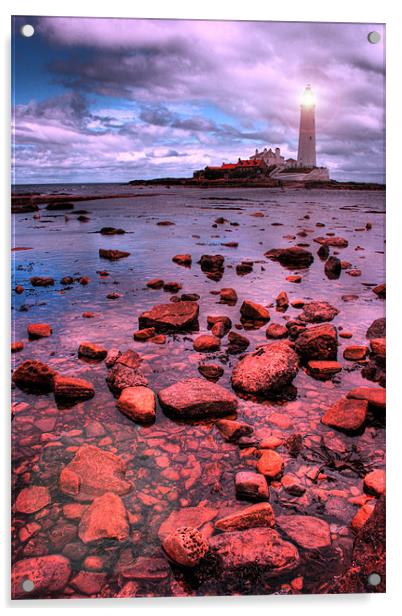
(247, 488)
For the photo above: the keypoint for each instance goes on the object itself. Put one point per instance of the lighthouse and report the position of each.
(306, 156)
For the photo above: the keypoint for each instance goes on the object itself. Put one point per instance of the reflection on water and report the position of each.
(173, 464)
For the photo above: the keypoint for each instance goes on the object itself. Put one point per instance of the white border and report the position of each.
(369, 11)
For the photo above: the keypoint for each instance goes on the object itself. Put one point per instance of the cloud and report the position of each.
(163, 74)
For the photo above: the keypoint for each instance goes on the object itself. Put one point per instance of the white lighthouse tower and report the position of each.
(306, 156)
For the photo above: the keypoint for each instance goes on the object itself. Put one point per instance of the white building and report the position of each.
(269, 156)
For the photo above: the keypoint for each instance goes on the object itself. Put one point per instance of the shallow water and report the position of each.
(173, 464)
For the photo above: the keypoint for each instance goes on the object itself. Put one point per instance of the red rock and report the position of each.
(89, 582)
(344, 334)
(166, 318)
(346, 414)
(49, 575)
(362, 516)
(253, 516)
(270, 464)
(186, 546)
(210, 263)
(172, 286)
(114, 295)
(159, 339)
(251, 486)
(41, 281)
(92, 351)
(297, 303)
(378, 347)
(32, 499)
(211, 371)
(253, 312)
(295, 278)
(194, 517)
(377, 329)
(223, 321)
(39, 330)
(88, 315)
(275, 330)
(355, 353)
(291, 257)
(375, 396)
(292, 485)
(318, 342)
(185, 259)
(146, 568)
(155, 283)
(232, 430)
(306, 531)
(111, 231)
(197, 398)
(354, 272)
(93, 563)
(144, 334)
(237, 343)
(84, 280)
(228, 296)
(34, 376)
(126, 372)
(71, 388)
(206, 343)
(380, 290)
(318, 312)
(112, 255)
(323, 370)
(269, 369)
(138, 403)
(73, 511)
(261, 547)
(337, 242)
(243, 268)
(93, 472)
(282, 302)
(374, 482)
(16, 347)
(19, 289)
(333, 268)
(105, 518)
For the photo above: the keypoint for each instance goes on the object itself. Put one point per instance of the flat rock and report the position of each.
(254, 516)
(144, 334)
(375, 396)
(228, 296)
(93, 472)
(41, 281)
(291, 257)
(346, 414)
(32, 499)
(211, 371)
(72, 389)
(268, 369)
(138, 403)
(306, 531)
(105, 518)
(355, 352)
(185, 259)
(39, 330)
(336, 241)
(323, 370)
(256, 547)
(251, 486)
(92, 351)
(155, 283)
(233, 430)
(197, 398)
(113, 255)
(173, 317)
(318, 342)
(194, 517)
(318, 312)
(49, 575)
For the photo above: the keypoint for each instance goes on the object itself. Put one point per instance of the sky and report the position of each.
(111, 100)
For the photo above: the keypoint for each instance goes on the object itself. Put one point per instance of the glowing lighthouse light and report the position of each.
(308, 99)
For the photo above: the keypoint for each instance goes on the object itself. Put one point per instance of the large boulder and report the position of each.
(48, 574)
(306, 531)
(291, 257)
(318, 342)
(256, 547)
(173, 317)
(92, 472)
(197, 398)
(318, 312)
(105, 518)
(268, 369)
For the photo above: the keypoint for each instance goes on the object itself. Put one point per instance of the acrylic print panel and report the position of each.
(198, 308)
